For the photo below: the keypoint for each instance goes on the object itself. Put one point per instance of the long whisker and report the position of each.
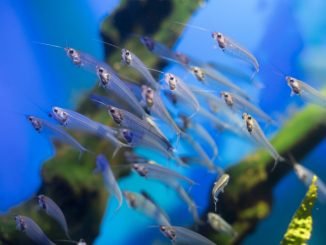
(48, 44)
(107, 43)
(191, 26)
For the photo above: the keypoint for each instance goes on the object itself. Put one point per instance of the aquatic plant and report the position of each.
(300, 227)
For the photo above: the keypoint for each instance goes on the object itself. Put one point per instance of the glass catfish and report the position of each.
(32, 230)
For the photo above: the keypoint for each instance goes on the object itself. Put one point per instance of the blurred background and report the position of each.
(288, 37)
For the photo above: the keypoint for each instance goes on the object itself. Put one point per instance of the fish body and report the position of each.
(163, 174)
(145, 205)
(112, 83)
(32, 230)
(155, 104)
(257, 134)
(305, 91)
(220, 225)
(233, 49)
(133, 61)
(55, 132)
(76, 121)
(306, 176)
(128, 120)
(219, 186)
(53, 210)
(181, 235)
(179, 87)
(110, 182)
(240, 104)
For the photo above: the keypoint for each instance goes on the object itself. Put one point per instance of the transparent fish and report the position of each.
(192, 207)
(208, 74)
(157, 48)
(306, 175)
(176, 85)
(55, 133)
(127, 120)
(305, 91)
(163, 174)
(219, 186)
(111, 82)
(156, 106)
(181, 235)
(240, 104)
(233, 49)
(137, 138)
(258, 135)
(53, 210)
(32, 230)
(220, 225)
(133, 61)
(144, 204)
(110, 182)
(76, 121)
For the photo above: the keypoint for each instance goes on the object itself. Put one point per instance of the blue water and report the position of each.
(289, 36)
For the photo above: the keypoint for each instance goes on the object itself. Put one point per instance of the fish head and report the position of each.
(41, 201)
(249, 121)
(148, 95)
(59, 114)
(227, 97)
(116, 114)
(36, 123)
(169, 232)
(103, 75)
(293, 84)
(20, 223)
(219, 38)
(126, 56)
(127, 135)
(101, 164)
(74, 55)
(199, 73)
(148, 42)
(140, 169)
(81, 242)
(171, 80)
(131, 198)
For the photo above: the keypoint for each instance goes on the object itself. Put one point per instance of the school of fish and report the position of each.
(187, 111)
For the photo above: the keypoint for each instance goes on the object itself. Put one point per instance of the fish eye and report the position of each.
(127, 53)
(71, 51)
(171, 78)
(226, 95)
(136, 166)
(112, 110)
(163, 228)
(100, 70)
(249, 117)
(55, 110)
(219, 35)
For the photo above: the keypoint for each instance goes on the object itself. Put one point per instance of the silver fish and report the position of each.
(181, 235)
(55, 133)
(208, 74)
(136, 138)
(240, 104)
(163, 174)
(233, 49)
(179, 87)
(155, 104)
(127, 120)
(112, 83)
(306, 176)
(219, 186)
(305, 91)
(220, 225)
(110, 182)
(133, 61)
(76, 121)
(53, 210)
(145, 205)
(258, 135)
(32, 230)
